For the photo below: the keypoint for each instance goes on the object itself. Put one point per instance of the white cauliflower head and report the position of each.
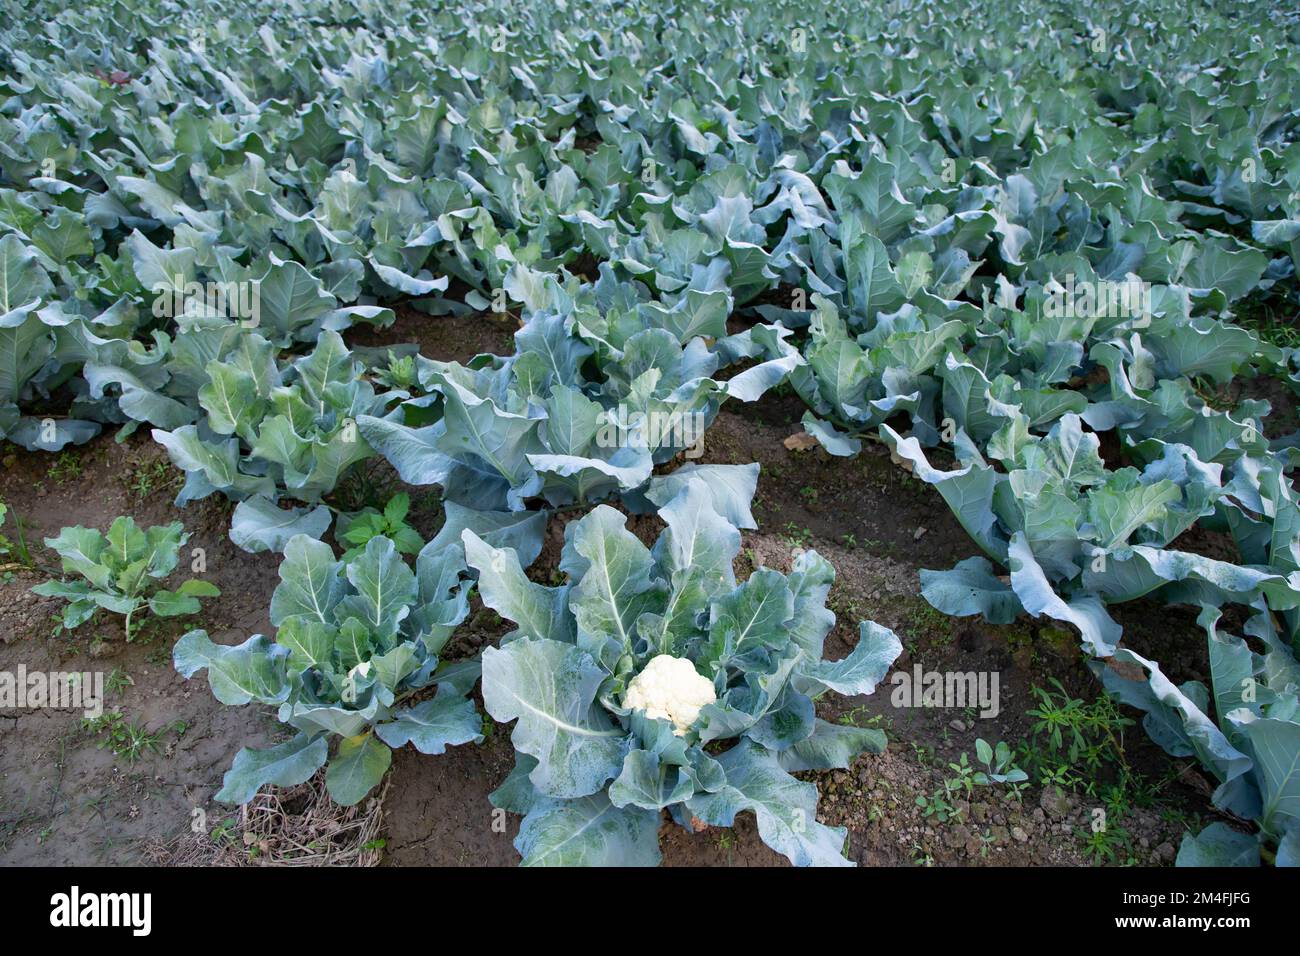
(670, 688)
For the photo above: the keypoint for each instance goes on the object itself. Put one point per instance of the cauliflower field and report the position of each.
(593, 434)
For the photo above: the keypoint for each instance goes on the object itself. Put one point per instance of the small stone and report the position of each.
(916, 535)
(800, 441)
(1019, 835)
(1054, 802)
(957, 725)
(1165, 853)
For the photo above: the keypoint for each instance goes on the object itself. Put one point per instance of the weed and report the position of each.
(965, 775)
(1074, 741)
(224, 832)
(390, 523)
(860, 716)
(123, 737)
(150, 478)
(796, 537)
(15, 548)
(117, 681)
(998, 764)
(923, 620)
(66, 467)
(1103, 844)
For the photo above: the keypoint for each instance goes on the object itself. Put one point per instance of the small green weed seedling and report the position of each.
(390, 523)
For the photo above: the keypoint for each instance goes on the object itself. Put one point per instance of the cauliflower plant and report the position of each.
(669, 688)
(723, 672)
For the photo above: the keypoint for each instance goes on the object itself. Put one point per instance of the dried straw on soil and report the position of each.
(287, 826)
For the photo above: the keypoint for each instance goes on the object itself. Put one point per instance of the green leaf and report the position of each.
(434, 724)
(589, 831)
(23, 283)
(284, 765)
(1123, 505)
(831, 747)
(80, 550)
(539, 611)
(614, 584)
(310, 643)
(750, 618)
(162, 272)
(648, 783)
(731, 488)
(696, 554)
(1275, 745)
(253, 670)
(310, 582)
(521, 531)
(231, 400)
(356, 768)
(397, 507)
(172, 604)
(859, 673)
(971, 588)
(385, 587)
(550, 688)
(1219, 845)
(292, 303)
(259, 524)
(786, 808)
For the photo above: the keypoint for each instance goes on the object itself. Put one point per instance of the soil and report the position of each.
(66, 798)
